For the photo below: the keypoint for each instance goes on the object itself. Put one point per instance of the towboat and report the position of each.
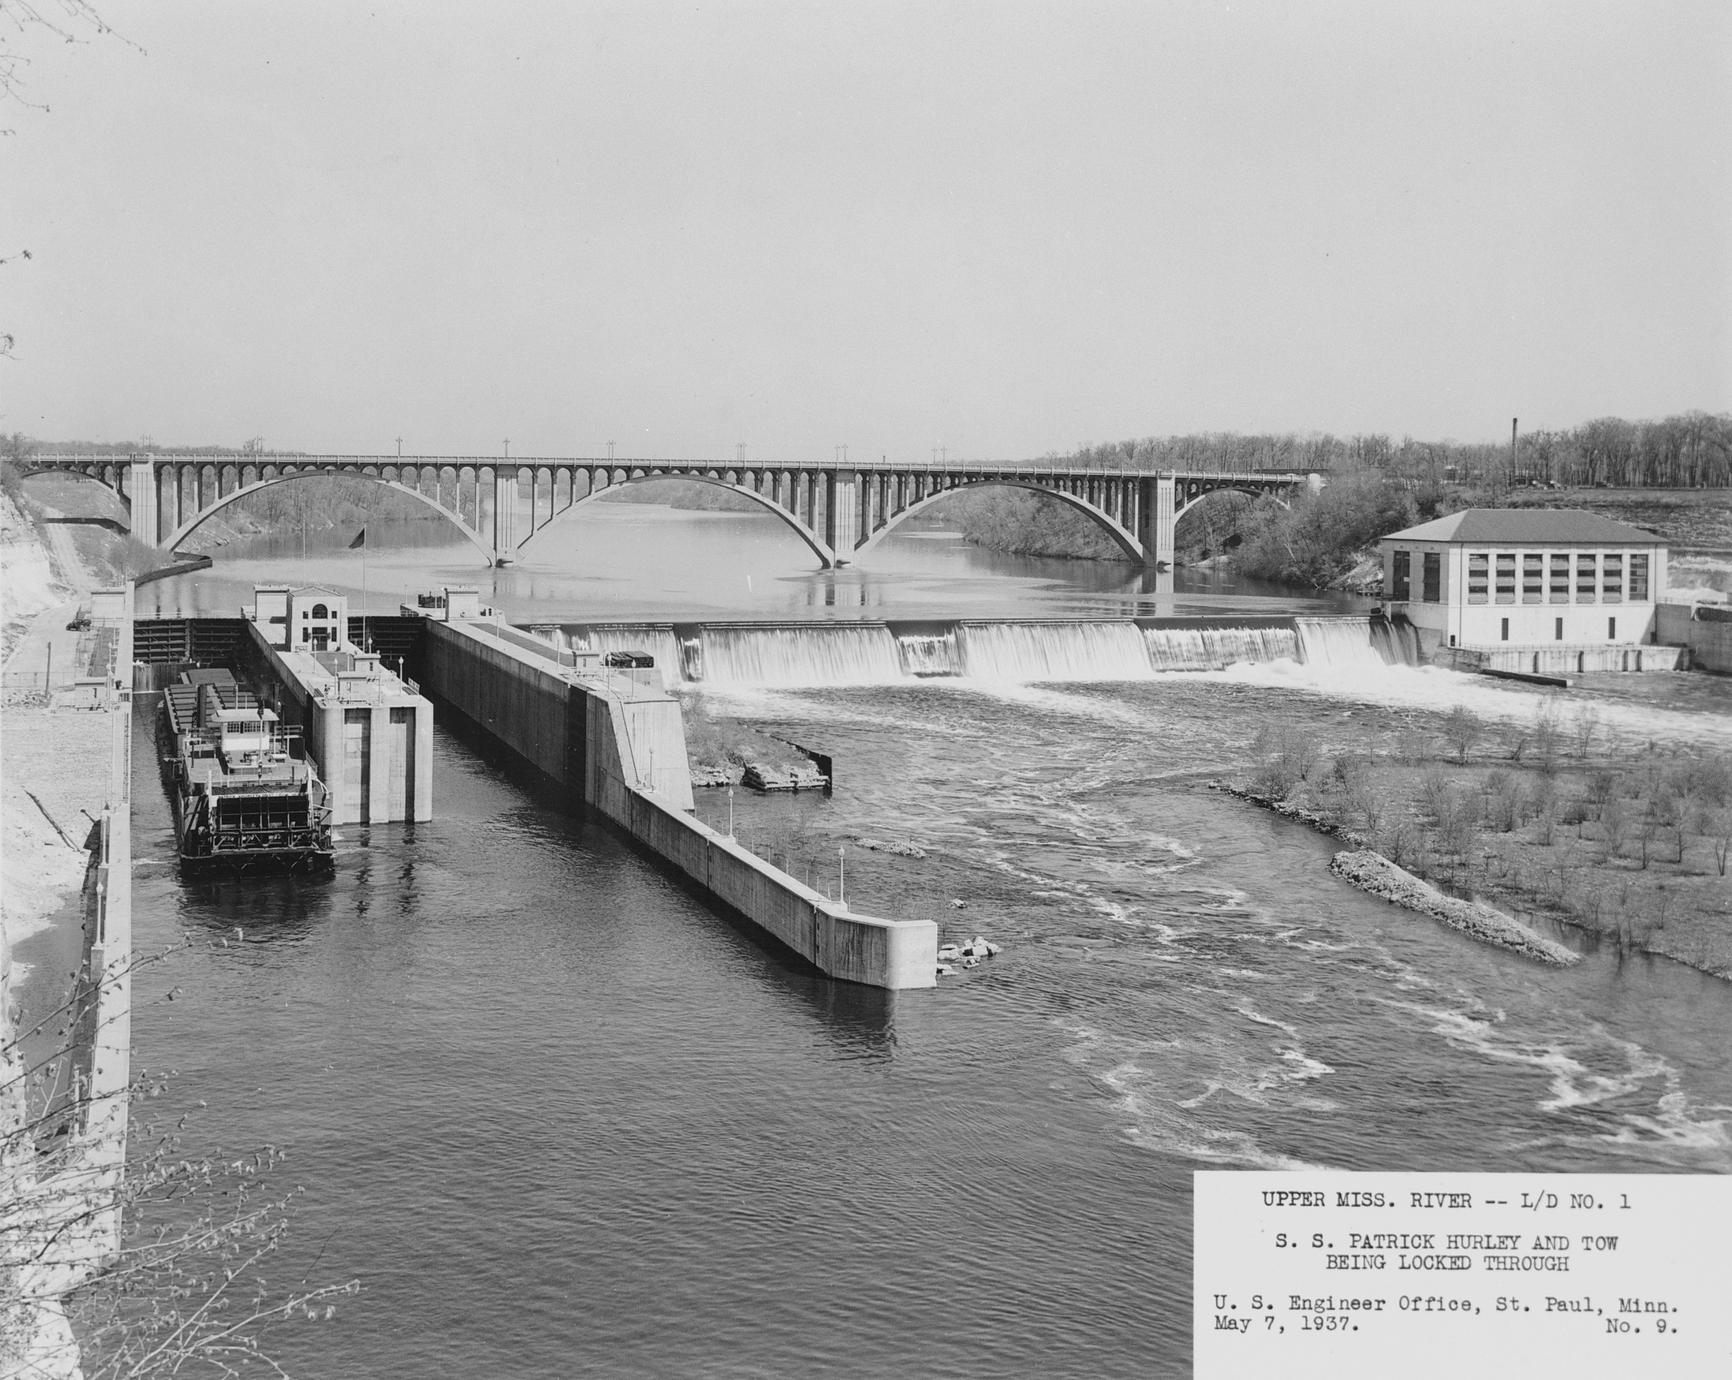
(245, 795)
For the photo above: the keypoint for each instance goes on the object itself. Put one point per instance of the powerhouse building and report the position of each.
(1495, 578)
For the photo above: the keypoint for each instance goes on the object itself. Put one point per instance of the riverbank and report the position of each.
(1371, 871)
(54, 769)
(1555, 820)
(53, 763)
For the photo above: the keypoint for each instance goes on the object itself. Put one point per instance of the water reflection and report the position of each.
(646, 562)
(265, 907)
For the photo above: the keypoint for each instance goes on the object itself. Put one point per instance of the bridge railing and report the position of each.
(961, 467)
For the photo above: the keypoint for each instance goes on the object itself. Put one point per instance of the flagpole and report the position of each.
(361, 541)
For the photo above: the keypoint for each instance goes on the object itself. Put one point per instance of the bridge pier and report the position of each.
(1166, 520)
(141, 493)
(841, 514)
(1153, 512)
(504, 515)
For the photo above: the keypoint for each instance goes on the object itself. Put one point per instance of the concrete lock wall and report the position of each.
(375, 756)
(622, 744)
(1709, 641)
(519, 701)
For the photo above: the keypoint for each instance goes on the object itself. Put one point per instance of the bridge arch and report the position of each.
(1122, 536)
(105, 477)
(1217, 515)
(192, 524)
(1252, 491)
(819, 548)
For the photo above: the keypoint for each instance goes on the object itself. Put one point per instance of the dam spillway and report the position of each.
(718, 654)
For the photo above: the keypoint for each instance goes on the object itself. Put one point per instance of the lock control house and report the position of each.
(1567, 584)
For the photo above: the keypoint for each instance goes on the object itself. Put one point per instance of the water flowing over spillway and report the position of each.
(816, 654)
(1357, 642)
(1012, 651)
(933, 653)
(1055, 651)
(656, 639)
(1215, 649)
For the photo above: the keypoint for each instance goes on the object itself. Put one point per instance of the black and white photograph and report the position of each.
(910, 688)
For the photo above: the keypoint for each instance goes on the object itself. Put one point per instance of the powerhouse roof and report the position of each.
(1517, 526)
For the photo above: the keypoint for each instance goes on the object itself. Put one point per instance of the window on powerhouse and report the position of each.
(1506, 576)
(1638, 576)
(1533, 577)
(1432, 577)
(1587, 576)
(1401, 576)
(1478, 576)
(1612, 577)
(1560, 577)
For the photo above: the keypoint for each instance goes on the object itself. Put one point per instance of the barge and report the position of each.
(245, 795)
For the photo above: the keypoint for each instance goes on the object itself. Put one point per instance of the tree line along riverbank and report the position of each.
(1560, 817)
(1326, 540)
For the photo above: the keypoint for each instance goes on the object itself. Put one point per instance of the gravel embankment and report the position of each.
(1373, 872)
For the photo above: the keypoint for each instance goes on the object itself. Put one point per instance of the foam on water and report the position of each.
(1157, 1123)
(1590, 1076)
(1436, 689)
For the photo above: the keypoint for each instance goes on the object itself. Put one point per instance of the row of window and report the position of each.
(1530, 577)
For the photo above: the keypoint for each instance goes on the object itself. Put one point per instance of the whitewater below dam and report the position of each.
(561, 1118)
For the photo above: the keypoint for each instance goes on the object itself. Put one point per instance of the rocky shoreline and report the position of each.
(1371, 871)
(1297, 813)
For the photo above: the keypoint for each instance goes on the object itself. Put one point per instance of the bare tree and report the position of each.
(1615, 823)
(24, 22)
(1461, 730)
(1714, 822)
(1503, 803)
(177, 1290)
(1547, 735)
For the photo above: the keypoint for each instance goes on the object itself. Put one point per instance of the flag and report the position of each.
(360, 539)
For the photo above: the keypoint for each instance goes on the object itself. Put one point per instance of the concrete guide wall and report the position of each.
(621, 743)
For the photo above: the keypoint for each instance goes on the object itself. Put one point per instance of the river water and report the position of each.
(561, 1118)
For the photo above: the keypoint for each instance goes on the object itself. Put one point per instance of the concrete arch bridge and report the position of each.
(840, 511)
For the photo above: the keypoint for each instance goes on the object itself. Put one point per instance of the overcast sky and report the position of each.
(1001, 228)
